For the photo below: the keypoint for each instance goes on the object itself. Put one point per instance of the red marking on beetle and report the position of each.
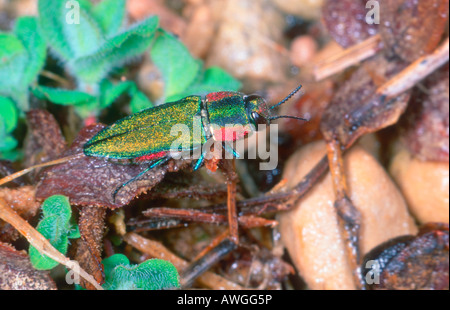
(219, 95)
(150, 157)
(230, 133)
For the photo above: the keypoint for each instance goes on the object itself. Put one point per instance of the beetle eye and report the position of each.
(258, 119)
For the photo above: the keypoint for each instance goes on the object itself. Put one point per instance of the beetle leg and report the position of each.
(229, 168)
(200, 161)
(152, 165)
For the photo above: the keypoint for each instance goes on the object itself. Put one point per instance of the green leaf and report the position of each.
(27, 31)
(63, 96)
(139, 102)
(7, 143)
(116, 51)
(8, 122)
(220, 79)
(68, 37)
(56, 227)
(8, 115)
(13, 60)
(179, 69)
(110, 15)
(215, 79)
(110, 92)
(85, 110)
(153, 274)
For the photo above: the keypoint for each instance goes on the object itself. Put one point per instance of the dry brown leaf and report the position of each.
(45, 140)
(356, 108)
(92, 181)
(17, 273)
(23, 202)
(89, 250)
(413, 28)
(409, 262)
(346, 21)
(426, 121)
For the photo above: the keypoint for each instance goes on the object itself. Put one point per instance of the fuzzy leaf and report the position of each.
(69, 27)
(55, 226)
(27, 31)
(153, 274)
(139, 102)
(110, 15)
(8, 115)
(215, 79)
(179, 69)
(7, 143)
(63, 96)
(13, 60)
(115, 51)
(110, 92)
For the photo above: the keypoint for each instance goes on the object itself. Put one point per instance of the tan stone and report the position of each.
(424, 185)
(309, 9)
(311, 233)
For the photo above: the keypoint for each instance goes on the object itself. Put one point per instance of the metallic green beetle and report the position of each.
(146, 137)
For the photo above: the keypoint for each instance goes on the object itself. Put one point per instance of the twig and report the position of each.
(157, 250)
(55, 77)
(415, 72)
(348, 57)
(40, 243)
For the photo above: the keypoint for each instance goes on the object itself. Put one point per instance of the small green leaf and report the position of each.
(153, 274)
(110, 92)
(215, 79)
(69, 27)
(63, 96)
(56, 227)
(139, 102)
(7, 143)
(13, 60)
(116, 51)
(179, 69)
(51, 229)
(110, 15)
(27, 31)
(219, 78)
(8, 115)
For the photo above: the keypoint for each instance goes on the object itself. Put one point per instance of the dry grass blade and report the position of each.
(40, 243)
(20, 173)
(157, 250)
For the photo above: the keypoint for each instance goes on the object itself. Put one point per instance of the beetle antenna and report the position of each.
(287, 97)
(288, 116)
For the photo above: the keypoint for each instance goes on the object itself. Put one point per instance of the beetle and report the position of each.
(145, 137)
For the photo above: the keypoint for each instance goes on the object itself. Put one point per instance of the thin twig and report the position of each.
(348, 57)
(40, 243)
(55, 77)
(20, 173)
(415, 72)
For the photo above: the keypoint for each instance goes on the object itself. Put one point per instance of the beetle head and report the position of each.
(257, 110)
(259, 113)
